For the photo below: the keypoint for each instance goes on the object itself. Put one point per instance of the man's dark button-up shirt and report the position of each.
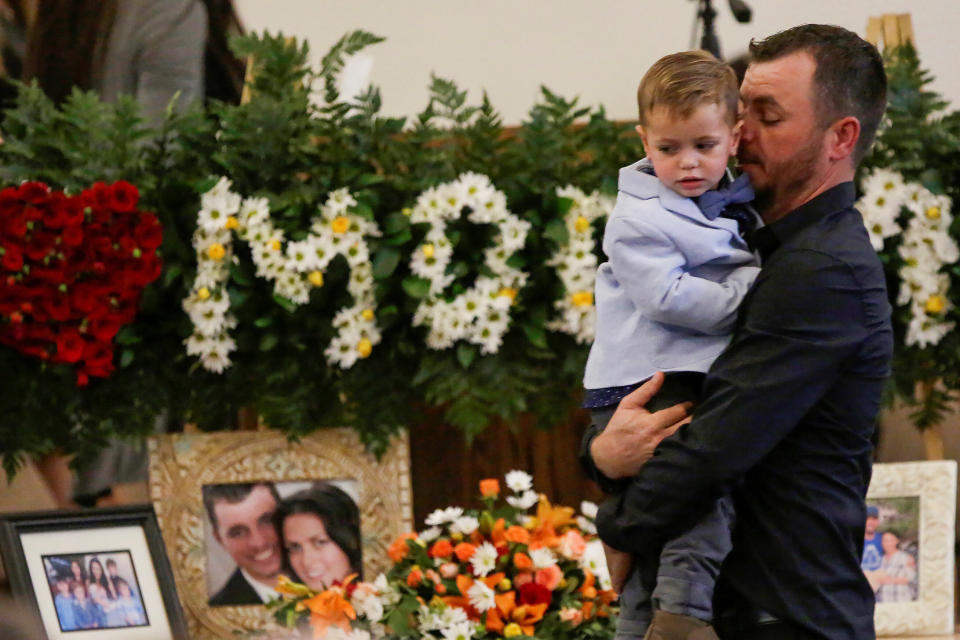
(785, 418)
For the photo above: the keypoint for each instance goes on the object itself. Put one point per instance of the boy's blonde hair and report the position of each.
(682, 82)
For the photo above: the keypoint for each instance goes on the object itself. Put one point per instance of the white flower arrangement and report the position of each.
(926, 247)
(294, 270)
(576, 264)
(480, 315)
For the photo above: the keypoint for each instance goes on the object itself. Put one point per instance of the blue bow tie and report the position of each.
(712, 203)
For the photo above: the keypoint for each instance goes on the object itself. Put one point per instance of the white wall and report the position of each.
(596, 49)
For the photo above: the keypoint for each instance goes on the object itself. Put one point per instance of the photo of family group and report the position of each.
(95, 590)
(308, 531)
(890, 548)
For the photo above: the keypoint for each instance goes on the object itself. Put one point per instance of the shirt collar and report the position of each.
(771, 236)
(263, 591)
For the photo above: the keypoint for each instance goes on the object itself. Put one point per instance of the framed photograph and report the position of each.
(93, 574)
(238, 509)
(908, 551)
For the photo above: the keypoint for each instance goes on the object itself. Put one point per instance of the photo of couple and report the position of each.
(308, 531)
(890, 548)
(95, 591)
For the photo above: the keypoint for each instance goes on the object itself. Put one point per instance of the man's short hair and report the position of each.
(232, 494)
(111, 561)
(682, 82)
(849, 79)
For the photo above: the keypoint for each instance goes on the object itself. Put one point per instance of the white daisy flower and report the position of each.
(518, 481)
(586, 525)
(589, 509)
(431, 534)
(484, 559)
(460, 631)
(443, 516)
(481, 597)
(594, 559)
(542, 558)
(524, 501)
(465, 525)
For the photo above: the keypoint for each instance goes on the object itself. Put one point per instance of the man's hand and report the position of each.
(633, 433)
(619, 564)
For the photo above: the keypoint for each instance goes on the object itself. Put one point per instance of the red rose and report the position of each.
(146, 269)
(102, 195)
(83, 298)
(58, 307)
(73, 235)
(148, 233)
(40, 245)
(104, 328)
(34, 192)
(12, 258)
(97, 355)
(70, 345)
(17, 224)
(123, 196)
(55, 213)
(533, 593)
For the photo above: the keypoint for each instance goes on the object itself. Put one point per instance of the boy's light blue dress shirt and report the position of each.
(668, 295)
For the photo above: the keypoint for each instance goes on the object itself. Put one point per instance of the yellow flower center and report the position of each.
(512, 630)
(428, 250)
(581, 224)
(231, 223)
(582, 298)
(508, 292)
(364, 347)
(316, 278)
(935, 304)
(275, 245)
(406, 211)
(881, 201)
(933, 213)
(340, 224)
(367, 314)
(203, 293)
(888, 185)
(216, 251)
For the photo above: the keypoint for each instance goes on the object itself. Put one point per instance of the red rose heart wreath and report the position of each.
(71, 271)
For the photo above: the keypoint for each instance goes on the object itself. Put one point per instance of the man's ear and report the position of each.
(842, 138)
(735, 136)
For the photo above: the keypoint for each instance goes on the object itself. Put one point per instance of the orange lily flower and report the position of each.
(549, 519)
(525, 616)
(328, 608)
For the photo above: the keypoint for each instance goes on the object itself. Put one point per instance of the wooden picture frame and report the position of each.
(185, 467)
(914, 504)
(40, 550)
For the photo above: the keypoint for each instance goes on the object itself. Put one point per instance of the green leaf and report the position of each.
(395, 223)
(564, 205)
(416, 287)
(126, 358)
(263, 323)
(556, 230)
(397, 239)
(466, 353)
(268, 341)
(127, 335)
(238, 275)
(516, 261)
(286, 303)
(385, 262)
(536, 335)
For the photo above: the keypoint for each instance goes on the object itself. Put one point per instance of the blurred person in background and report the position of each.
(152, 50)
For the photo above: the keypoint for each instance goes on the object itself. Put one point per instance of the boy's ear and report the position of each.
(642, 134)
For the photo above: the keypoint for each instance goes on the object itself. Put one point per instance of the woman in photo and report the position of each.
(79, 575)
(320, 532)
(98, 576)
(898, 572)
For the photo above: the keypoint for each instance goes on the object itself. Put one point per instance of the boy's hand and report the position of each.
(618, 564)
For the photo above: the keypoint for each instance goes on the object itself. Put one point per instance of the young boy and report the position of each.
(667, 298)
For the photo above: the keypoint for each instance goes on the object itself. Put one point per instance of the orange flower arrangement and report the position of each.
(493, 573)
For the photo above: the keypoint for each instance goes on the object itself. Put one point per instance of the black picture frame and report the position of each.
(14, 526)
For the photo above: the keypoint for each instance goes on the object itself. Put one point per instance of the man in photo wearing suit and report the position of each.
(242, 519)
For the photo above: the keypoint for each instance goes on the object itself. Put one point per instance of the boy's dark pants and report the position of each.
(690, 563)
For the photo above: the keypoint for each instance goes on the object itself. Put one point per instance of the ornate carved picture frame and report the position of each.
(909, 549)
(186, 467)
